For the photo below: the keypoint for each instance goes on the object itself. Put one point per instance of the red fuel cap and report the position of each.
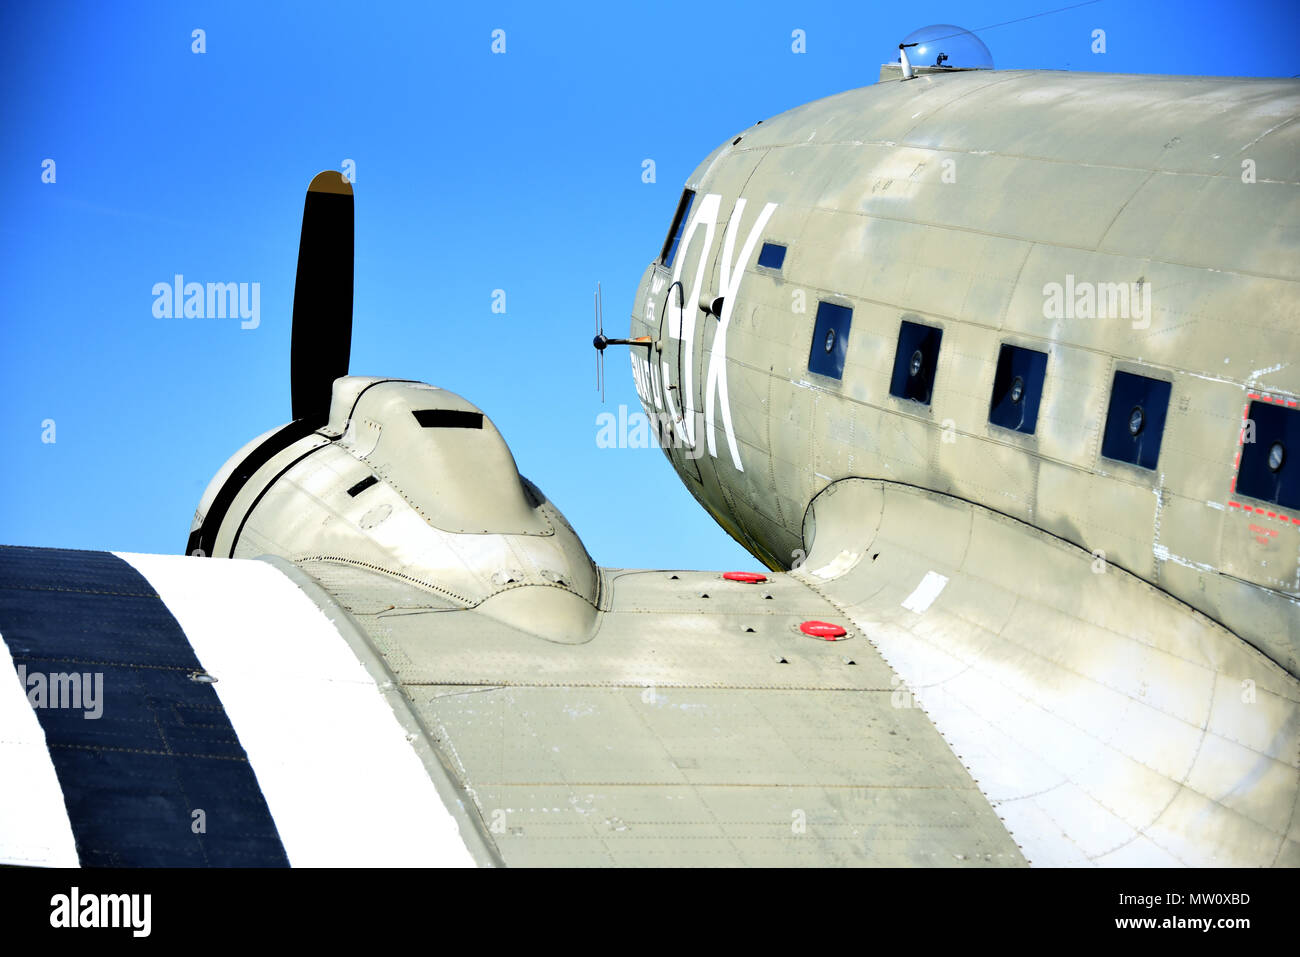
(823, 629)
(749, 578)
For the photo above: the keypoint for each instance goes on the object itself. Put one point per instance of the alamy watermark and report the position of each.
(72, 690)
(1098, 300)
(127, 911)
(637, 430)
(214, 300)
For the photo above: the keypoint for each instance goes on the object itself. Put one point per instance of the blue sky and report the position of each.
(474, 172)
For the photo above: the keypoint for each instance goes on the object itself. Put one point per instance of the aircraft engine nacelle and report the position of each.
(414, 482)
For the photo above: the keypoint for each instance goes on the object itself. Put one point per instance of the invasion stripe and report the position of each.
(342, 780)
(34, 826)
(159, 778)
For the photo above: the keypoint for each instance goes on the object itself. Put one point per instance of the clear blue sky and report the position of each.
(474, 172)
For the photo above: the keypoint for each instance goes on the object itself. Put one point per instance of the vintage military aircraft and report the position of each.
(994, 371)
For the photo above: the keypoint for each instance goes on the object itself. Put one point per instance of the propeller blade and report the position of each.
(322, 296)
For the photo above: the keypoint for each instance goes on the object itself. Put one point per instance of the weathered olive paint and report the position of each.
(1005, 693)
(1106, 179)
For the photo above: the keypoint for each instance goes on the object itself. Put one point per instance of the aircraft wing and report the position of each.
(999, 698)
(697, 725)
(996, 699)
(170, 711)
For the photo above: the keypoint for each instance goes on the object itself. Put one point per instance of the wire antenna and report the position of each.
(1032, 16)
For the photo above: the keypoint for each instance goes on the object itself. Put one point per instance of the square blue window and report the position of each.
(915, 362)
(830, 341)
(1270, 465)
(1135, 422)
(771, 255)
(1017, 388)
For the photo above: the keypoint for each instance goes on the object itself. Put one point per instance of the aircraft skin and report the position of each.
(1050, 180)
(993, 647)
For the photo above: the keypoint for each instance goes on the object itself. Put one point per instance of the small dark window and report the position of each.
(1135, 422)
(678, 227)
(915, 362)
(771, 255)
(1270, 466)
(448, 419)
(1017, 388)
(830, 340)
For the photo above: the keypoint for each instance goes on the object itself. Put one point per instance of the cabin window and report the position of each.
(679, 226)
(915, 362)
(1270, 465)
(1017, 388)
(772, 255)
(1135, 422)
(830, 341)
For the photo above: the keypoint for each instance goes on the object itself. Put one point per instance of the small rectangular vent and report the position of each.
(361, 486)
(448, 419)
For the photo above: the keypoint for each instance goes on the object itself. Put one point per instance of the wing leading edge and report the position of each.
(220, 718)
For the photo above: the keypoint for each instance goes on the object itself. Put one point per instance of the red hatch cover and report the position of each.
(823, 629)
(749, 578)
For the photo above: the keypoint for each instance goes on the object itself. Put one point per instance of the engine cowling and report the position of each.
(415, 482)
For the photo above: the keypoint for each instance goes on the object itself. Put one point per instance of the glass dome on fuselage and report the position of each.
(944, 45)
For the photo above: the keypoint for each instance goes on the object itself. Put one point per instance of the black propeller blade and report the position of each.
(322, 297)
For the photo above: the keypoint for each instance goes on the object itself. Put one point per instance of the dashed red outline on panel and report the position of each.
(1236, 462)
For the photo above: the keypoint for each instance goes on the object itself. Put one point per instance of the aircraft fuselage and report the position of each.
(1072, 299)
